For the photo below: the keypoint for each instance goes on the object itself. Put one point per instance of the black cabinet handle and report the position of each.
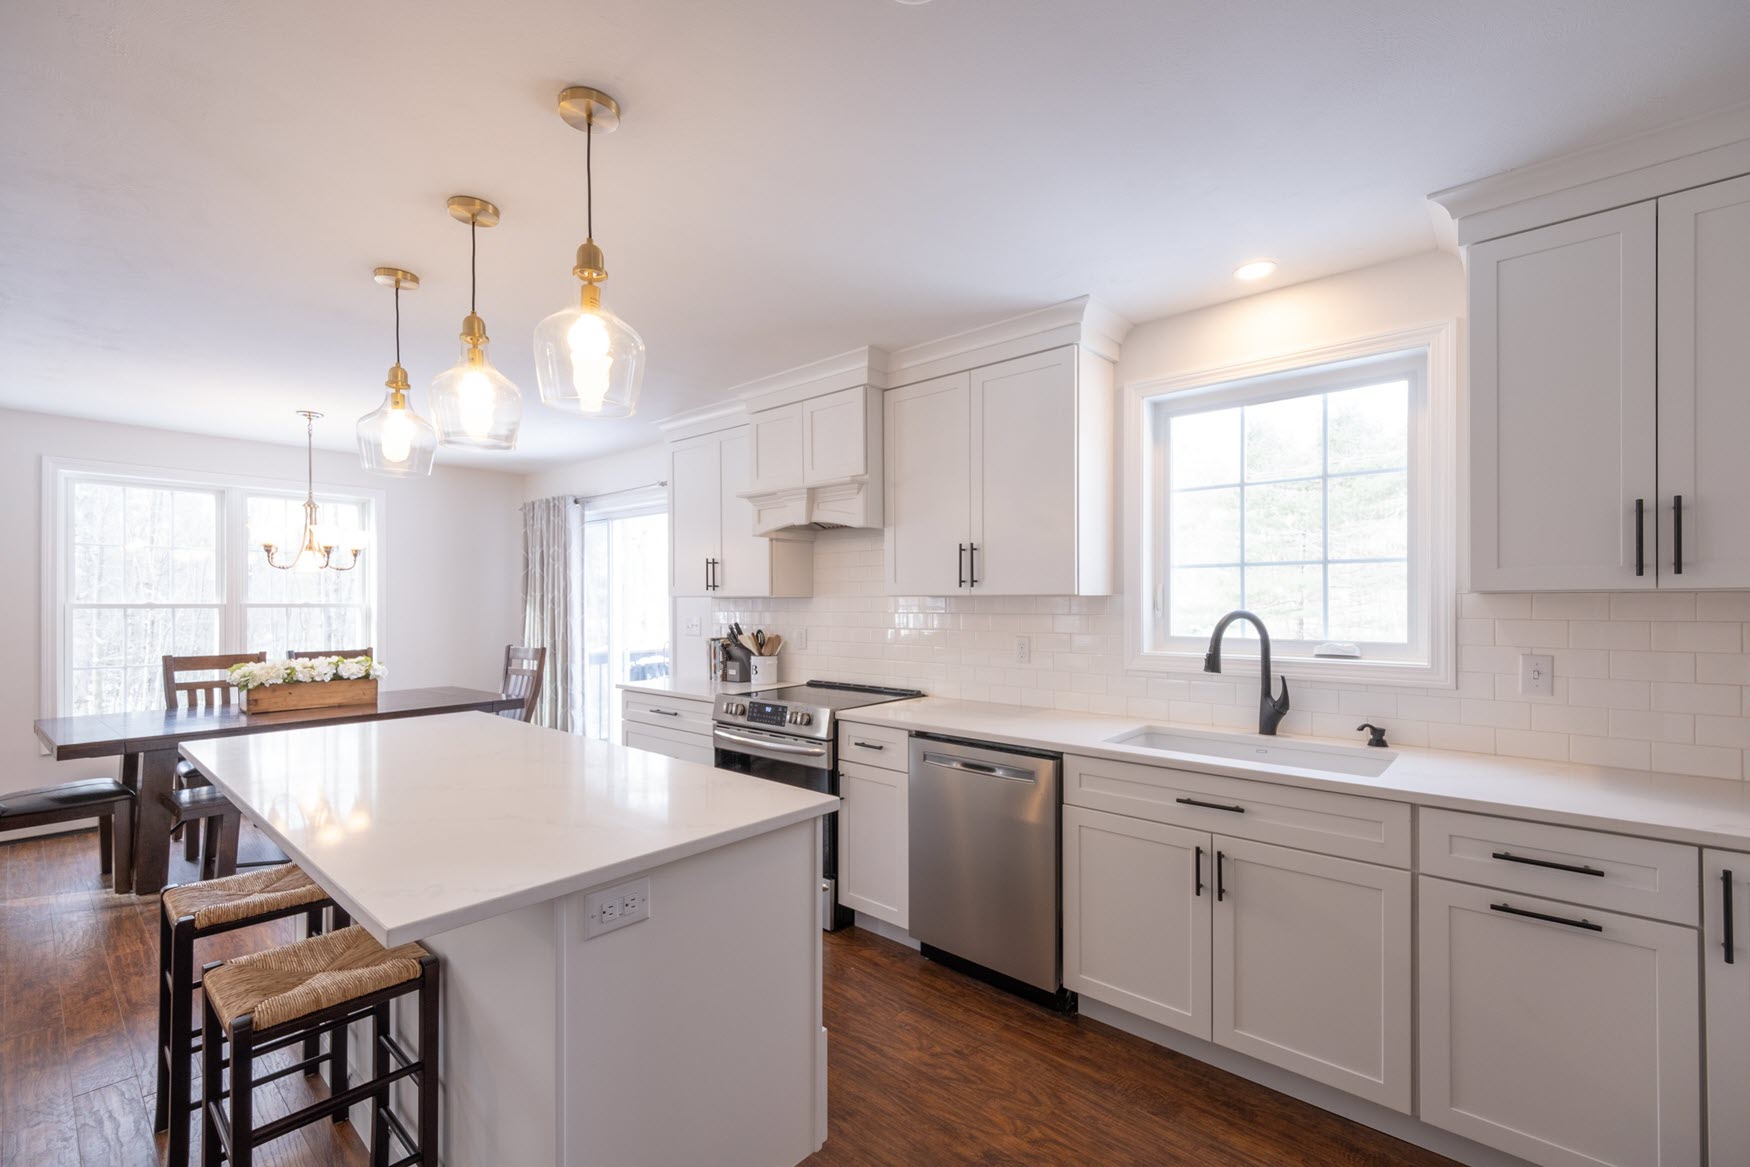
(665, 712)
(960, 565)
(1220, 877)
(1576, 868)
(1212, 805)
(1727, 941)
(1512, 911)
(707, 573)
(972, 563)
(1197, 873)
(1677, 534)
(869, 745)
(1640, 536)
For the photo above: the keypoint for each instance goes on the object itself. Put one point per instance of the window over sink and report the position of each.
(1313, 491)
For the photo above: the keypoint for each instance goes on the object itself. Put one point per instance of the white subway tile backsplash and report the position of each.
(1642, 680)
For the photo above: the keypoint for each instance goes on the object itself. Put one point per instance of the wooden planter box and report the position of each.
(307, 695)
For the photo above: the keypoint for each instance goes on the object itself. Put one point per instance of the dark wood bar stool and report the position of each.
(270, 1000)
(191, 912)
(216, 824)
(105, 799)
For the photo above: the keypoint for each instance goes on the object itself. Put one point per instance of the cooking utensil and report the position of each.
(773, 643)
(759, 639)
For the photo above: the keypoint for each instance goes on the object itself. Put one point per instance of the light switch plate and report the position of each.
(615, 907)
(1537, 674)
(691, 626)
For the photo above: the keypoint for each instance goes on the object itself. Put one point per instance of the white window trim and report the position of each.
(57, 472)
(1436, 447)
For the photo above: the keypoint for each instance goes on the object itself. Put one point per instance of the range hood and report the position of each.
(821, 505)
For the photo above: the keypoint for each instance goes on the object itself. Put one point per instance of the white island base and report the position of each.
(692, 1037)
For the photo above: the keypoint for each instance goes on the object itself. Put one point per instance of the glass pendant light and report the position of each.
(587, 360)
(393, 440)
(473, 403)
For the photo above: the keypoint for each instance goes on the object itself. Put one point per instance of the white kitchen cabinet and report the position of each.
(1136, 916)
(1312, 967)
(817, 460)
(999, 480)
(1562, 405)
(1725, 958)
(1567, 1036)
(714, 551)
(665, 723)
(1704, 408)
(777, 447)
(874, 856)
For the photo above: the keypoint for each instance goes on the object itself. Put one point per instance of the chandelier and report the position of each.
(317, 544)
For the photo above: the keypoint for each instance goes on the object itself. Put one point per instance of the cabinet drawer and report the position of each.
(1345, 825)
(687, 714)
(660, 739)
(1639, 876)
(873, 745)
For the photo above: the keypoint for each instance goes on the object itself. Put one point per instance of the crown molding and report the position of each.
(1083, 320)
(848, 370)
(705, 420)
(1657, 162)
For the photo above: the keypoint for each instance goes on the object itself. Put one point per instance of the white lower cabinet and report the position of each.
(1137, 902)
(1565, 1035)
(874, 858)
(679, 727)
(1296, 959)
(1725, 957)
(1312, 967)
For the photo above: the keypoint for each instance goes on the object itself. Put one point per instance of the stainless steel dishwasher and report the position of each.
(984, 863)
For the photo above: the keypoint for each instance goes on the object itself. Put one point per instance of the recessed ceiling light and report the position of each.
(1257, 269)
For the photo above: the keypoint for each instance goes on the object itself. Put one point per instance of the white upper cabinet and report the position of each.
(1562, 409)
(999, 480)
(777, 448)
(1704, 387)
(714, 550)
(1607, 399)
(817, 460)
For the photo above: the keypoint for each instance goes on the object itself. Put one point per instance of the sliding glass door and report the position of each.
(626, 635)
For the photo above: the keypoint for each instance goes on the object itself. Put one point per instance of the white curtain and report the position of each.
(552, 569)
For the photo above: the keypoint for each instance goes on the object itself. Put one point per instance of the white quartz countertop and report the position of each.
(702, 688)
(427, 824)
(1705, 811)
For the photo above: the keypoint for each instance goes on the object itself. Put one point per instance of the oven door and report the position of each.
(793, 761)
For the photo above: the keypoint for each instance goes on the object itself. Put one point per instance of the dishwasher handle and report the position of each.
(984, 769)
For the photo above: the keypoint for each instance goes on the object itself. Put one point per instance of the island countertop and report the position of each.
(419, 827)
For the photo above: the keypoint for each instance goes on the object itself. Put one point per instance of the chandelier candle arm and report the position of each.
(393, 440)
(473, 403)
(588, 360)
(316, 546)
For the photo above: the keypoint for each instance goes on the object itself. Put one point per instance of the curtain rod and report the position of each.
(622, 490)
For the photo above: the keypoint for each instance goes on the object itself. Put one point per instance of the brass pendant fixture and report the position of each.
(317, 544)
(394, 440)
(587, 360)
(473, 403)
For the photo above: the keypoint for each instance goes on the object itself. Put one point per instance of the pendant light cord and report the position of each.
(397, 321)
(589, 177)
(473, 262)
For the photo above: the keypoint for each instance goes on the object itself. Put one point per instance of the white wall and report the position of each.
(639, 466)
(450, 550)
(1659, 682)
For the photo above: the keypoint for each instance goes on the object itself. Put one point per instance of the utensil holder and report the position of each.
(764, 669)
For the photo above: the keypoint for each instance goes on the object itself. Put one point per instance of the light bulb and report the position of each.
(590, 361)
(475, 404)
(397, 436)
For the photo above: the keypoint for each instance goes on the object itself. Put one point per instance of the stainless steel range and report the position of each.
(789, 734)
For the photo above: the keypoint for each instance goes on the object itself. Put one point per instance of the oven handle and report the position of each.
(776, 745)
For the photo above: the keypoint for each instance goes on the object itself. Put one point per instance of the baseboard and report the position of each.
(1380, 1118)
(882, 928)
(24, 833)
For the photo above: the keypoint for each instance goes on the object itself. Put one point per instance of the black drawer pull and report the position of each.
(1512, 911)
(1212, 805)
(665, 712)
(1727, 942)
(1197, 873)
(1677, 535)
(1576, 868)
(1640, 536)
(868, 745)
(1220, 876)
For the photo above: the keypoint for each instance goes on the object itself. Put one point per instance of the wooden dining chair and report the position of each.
(207, 692)
(524, 670)
(348, 653)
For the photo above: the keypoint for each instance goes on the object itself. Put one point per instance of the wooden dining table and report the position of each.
(146, 742)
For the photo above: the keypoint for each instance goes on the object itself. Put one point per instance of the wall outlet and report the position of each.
(1537, 675)
(1023, 649)
(799, 639)
(691, 626)
(615, 907)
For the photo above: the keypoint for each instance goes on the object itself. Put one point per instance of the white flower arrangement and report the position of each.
(254, 674)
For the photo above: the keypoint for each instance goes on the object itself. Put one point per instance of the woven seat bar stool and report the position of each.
(191, 912)
(273, 999)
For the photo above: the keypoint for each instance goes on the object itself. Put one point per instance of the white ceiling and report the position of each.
(192, 194)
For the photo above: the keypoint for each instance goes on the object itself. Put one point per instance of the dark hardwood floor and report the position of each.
(927, 1067)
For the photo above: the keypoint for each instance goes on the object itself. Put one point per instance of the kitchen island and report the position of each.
(691, 1036)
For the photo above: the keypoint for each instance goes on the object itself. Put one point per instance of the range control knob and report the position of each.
(735, 708)
(799, 717)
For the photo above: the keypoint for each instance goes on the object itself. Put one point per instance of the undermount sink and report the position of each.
(1269, 751)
